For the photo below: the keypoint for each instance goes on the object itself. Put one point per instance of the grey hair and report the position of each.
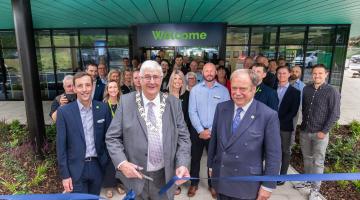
(252, 75)
(68, 77)
(190, 74)
(150, 65)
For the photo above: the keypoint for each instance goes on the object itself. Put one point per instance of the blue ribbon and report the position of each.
(290, 177)
(67, 196)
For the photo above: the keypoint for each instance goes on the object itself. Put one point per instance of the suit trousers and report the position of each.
(152, 188)
(91, 179)
(109, 176)
(313, 150)
(224, 197)
(285, 150)
(197, 149)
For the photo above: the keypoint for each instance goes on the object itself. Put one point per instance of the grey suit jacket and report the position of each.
(126, 139)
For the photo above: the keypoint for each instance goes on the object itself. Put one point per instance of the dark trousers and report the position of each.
(91, 179)
(197, 148)
(286, 150)
(109, 176)
(224, 197)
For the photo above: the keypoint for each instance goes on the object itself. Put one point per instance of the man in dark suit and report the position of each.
(289, 102)
(245, 133)
(80, 140)
(98, 86)
(264, 93)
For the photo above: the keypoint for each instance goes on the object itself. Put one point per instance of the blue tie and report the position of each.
(236, 120)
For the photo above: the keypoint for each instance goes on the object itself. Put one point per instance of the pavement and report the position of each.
(350, 110)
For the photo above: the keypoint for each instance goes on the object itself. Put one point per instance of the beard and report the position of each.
(293, 77)
(209, 78)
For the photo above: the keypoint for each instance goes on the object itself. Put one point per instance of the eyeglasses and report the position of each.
(148, 78)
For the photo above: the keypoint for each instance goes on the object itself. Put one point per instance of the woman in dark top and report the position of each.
(111, 97)
(177, 87)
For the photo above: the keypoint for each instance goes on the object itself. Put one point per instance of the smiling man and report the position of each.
(245, 133)
(148, 136)
(320, 111)
(80, 140)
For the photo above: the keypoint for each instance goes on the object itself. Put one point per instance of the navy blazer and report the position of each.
(70, 138)
(99, 90)
(242, 153)
(267, 95)
(288, 108)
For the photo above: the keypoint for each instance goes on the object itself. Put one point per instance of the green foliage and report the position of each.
(18, 133)
(41, 172)
(355, 129)
(51, 132)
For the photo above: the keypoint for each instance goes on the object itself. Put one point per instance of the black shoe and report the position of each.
(280, 183)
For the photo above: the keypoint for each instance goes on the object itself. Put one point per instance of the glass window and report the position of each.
(267, 51)
(316, 55)
(46, 73)
(8, 39)
(263, 35)
(115, 57)
(292, 54)
(292, 35)
(94, 55)
(65, 38)
(67, 60)
(237, 35)
(320, 34)
(235, 56)
(13, 74)
(42, 38)
(118, 37)
(92, 37)
(342, 34)
(338, 67)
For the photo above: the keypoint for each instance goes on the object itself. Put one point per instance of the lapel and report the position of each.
(246, 121)
(166, 121)
(287, 93)
(95, 111)
(228, 118)
(78, 121)
(141, 120)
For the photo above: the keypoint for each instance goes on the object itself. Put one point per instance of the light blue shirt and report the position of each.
(203, 102)
(300, 86)
(199, 77)
(88, 127)
(281, 92)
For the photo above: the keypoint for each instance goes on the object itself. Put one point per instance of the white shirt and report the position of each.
(156, 109)
(245, 108)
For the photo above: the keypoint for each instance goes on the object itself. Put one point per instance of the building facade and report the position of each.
(65, 51)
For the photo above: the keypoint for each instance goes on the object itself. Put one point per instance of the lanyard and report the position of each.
(112, 112)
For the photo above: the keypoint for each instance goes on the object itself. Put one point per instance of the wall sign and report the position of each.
(199, 34)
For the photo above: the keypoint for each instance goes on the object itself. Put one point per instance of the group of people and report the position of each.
(154, 122)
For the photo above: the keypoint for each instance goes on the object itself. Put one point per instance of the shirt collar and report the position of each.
(285, 86)
(156, 101)
(246, 107)
(81, 106)
(216, 84)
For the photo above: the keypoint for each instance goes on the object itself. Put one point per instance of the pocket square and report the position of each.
(100, 121)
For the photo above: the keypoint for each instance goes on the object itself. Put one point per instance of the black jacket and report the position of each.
(288, 108)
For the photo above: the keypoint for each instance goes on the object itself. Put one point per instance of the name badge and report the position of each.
(217, 97)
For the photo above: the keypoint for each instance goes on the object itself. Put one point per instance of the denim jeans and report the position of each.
(313, 150)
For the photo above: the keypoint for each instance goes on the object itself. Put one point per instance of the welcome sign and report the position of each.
(199, 34)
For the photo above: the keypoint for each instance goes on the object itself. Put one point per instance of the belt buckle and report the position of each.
(88, 159)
